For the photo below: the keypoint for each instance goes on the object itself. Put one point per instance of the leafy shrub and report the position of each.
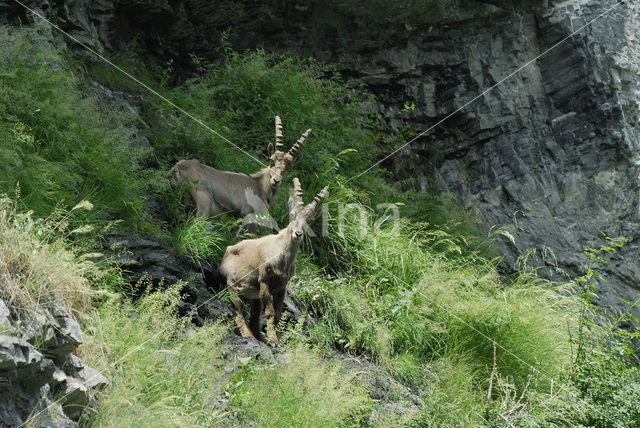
(605, 370)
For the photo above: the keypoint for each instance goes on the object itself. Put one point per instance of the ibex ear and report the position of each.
(270, 149)
(297, 159)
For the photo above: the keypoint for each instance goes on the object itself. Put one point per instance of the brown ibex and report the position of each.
(259, 269)
(215, 191)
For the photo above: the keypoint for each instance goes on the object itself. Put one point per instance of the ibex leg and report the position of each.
(254, 320)
(203, 202)
(240, 321)
(278, 301)
(269, 312)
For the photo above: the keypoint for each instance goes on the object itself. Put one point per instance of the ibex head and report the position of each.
(279, 161)
(299, 213)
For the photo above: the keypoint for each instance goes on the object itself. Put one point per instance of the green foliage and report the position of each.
(239, 98)
(35, 268)
(609, 380)
(302, 391)
(162, 372)
(58, 141)
(204, 241)
(606, 368)
(400, 293)
(453, 398)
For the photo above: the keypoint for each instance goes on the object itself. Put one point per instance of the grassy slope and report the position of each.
(418, 301)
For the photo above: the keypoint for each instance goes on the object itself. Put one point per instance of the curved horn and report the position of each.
(297, 191)
(279, 145)
(319, 197)
(299, 143)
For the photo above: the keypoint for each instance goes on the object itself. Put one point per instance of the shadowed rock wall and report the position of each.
(550, 154)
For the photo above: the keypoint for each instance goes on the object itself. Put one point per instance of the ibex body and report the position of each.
(259, 269)
(215, 191)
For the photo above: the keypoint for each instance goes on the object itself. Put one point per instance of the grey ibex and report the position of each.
(215, 191)
(259, 269)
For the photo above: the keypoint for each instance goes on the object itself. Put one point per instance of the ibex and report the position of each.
(259, 269)
(216, 191)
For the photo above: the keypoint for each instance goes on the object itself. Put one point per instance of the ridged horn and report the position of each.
(297, 192)
(299, 143)
(319, 197)
(279, 138)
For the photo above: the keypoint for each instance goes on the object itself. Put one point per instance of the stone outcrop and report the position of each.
(549, 154)
(41, 380)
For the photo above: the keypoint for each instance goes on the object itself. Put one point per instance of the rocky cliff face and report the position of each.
(551, 154)
(41, 380)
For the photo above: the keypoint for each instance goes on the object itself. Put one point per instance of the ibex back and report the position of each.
(215, 191)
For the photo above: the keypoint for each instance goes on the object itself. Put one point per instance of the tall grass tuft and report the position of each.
(204, 241)
(403, 290)
(36, 269)
(162, 372)
(302, 391)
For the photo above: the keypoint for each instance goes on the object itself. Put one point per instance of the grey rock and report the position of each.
(20, 362)
(292, 306)
(26, 381)
(5, 314)
(68, 334)
(92, 379)
(71, 364)
(59, 377)
(76, 397)
(25, 392)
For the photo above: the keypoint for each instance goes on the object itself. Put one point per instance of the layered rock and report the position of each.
(41, 381)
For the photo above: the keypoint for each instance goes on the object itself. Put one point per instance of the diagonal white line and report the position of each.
(447, 117)
(138, 347)
(368, 169)
(453, 315)
(162, 97)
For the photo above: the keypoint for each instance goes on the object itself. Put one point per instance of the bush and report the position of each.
(605, 370)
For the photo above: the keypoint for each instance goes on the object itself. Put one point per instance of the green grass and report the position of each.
(162, 372)
(204, 240)
(58, 141)
(35, 270)
(302, 391)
